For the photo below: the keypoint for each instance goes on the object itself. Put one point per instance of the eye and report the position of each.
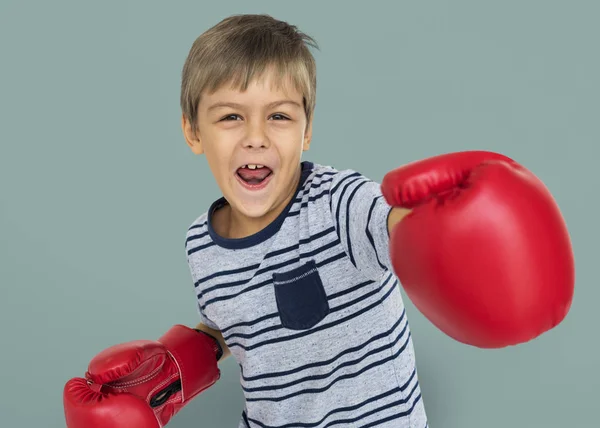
(230, 117)
(279, 116)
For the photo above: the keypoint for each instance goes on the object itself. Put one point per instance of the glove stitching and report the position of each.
(287, 281)
(132, 383)
(180, 373)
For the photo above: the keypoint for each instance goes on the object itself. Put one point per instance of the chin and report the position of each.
(254, 211)
(251, 205)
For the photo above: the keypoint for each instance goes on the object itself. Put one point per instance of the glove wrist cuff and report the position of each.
(218, 349)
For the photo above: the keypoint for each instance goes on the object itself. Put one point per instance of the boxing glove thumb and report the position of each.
(86, 406)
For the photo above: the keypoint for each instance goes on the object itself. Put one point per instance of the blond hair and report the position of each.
(239, 49)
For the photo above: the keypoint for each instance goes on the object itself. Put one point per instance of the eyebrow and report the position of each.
(270, 105)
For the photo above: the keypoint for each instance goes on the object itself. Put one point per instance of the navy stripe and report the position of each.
(368, 232)
(349, 363)
(339, 201)
(310, 199)
(245, 418)
(306, 191)
(349, 290)
(339, 183)
(248, 323)
(314, 198)
(226, 272)
(362, 297)
(322, 327)
(326, 362)
(303, 241)
(348, 222)
(195, 237)
(316, 184)
(397, 415)
(336, 380)
(196, 226)
(201, 247)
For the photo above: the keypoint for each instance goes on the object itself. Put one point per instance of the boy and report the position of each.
(294, 267)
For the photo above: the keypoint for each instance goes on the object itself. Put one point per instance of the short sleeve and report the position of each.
(203, 317)
(360, 214)
(205, 320)
(193, 272)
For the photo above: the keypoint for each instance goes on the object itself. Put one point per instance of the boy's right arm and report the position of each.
(144, 383)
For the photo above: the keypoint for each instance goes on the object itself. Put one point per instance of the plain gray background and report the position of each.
(98, 186)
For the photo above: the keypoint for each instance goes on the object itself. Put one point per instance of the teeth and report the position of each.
(253, 166)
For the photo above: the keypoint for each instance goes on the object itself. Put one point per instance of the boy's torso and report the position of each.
(319, 344)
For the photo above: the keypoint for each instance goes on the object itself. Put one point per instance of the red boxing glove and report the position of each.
(485, 254)
(143, 384)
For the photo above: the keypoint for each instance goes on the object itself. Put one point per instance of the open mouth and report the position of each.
(254, 176)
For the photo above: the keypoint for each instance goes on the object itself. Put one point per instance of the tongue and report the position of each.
(254, 175)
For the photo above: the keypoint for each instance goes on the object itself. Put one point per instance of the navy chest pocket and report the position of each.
(300, 296)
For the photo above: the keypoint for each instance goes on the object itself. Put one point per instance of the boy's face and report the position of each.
(239, 132)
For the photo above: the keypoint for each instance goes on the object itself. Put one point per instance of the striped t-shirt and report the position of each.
(311, 310)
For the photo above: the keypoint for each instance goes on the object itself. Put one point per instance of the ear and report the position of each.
(307, 136)
(191, 136)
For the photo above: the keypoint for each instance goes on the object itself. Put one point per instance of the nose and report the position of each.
(256, 136)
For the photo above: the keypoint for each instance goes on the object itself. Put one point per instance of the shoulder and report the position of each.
(325, 177)
(196, 231)
(200, 223)
(325, 187)
(330, 178)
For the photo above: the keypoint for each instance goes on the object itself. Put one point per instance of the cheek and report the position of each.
(219, 162)
(218, 148)
(288, 136)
